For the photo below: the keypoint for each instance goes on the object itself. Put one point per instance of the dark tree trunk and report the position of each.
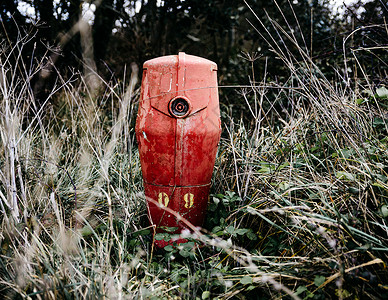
(104, 22)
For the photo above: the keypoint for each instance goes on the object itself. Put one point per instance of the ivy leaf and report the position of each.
(251, 235)
(319, 280)
(190, 245)
(169, 248)
(246, 280)
(241, 231)
(231, 230)
(216, 229)
(384, 211)
(300, 290)
(159, 236)
(170, 229)
(382, 92)
(205, 295)
(184, 252)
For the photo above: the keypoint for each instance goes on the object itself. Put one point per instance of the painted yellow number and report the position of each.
(189, 199)
(163, 199)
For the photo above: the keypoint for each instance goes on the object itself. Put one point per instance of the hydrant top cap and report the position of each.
(175, 59)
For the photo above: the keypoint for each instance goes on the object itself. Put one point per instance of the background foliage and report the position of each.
(125, 32)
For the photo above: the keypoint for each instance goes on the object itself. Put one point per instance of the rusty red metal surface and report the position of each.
(178, 129)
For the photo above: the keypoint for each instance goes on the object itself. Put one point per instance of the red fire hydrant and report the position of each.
(178, 129)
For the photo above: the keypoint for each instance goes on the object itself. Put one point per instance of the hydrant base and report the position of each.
(172, 206)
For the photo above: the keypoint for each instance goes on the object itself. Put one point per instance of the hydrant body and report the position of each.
(178, 130)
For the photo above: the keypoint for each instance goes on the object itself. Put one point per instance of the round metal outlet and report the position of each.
(179, 107)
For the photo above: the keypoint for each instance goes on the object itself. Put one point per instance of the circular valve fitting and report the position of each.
(179, 107)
